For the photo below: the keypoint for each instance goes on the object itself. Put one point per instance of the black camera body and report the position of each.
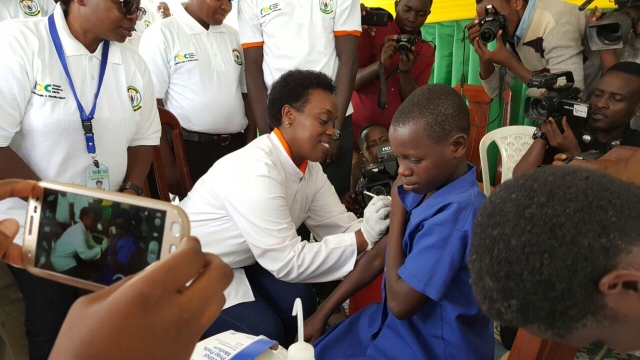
(377, 178)
(615, 28)
(490, 24)
(405, 42)
(561, 99)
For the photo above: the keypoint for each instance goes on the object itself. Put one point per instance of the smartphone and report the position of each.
(376, 18)
(92, 238)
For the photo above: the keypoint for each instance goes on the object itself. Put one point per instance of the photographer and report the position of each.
(368, 140)
(404, 72)
(614, 102)
(630, 52)
(543, 36)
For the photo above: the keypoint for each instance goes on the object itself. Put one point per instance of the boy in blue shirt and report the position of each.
(428, 310)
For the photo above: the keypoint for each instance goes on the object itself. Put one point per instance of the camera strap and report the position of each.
(382, 93)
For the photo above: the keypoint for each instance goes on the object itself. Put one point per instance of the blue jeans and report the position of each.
(270, 314)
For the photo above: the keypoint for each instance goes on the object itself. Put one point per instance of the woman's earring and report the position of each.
(287, 124)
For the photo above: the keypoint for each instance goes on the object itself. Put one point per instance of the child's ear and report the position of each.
(459, 145)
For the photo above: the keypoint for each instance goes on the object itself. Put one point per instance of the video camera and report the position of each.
(490, 24)
(377, 178)
(615, 28)
(560, 100)
(405, 42)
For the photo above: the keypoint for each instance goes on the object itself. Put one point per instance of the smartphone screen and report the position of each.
(96, 240)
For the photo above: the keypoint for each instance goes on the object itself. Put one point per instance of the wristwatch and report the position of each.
(539, 134)
(132, 186)
(337, 136)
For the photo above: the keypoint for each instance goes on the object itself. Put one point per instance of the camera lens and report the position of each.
(609, 33)
(378, 191)
(403, 48)
(539, 108)
(489, 31)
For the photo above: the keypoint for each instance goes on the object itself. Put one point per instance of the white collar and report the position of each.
(72, 47)
(193, 27)
(284, 158)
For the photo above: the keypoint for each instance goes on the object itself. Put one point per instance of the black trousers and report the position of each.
(202, 155)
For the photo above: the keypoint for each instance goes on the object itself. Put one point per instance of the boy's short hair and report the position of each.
(362, 144)
(292, 88)
(542, 242)
(439, 108)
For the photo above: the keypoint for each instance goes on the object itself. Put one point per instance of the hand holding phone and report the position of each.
(152, 315)
(76, 250)
(9, 252)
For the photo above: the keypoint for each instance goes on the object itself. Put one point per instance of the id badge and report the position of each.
(97, 177)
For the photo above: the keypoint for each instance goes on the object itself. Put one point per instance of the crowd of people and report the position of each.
(278, 117)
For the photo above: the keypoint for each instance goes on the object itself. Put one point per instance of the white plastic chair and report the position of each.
(513, 142)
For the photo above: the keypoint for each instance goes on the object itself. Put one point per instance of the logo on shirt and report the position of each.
(184, 57)
(237, 57)
(326, 6)
(29, 7)
(135, 97)
(52, 91)
(147, 23)
(268, 10)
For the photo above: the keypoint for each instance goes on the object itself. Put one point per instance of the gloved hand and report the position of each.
(376, 219)
(104, 245)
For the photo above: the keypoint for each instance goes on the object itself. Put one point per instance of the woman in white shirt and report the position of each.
(100, 129)
(247, 208)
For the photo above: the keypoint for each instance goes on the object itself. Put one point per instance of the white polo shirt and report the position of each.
(25, 9)
(198, 73)
(150, 17)
(297, 34)
(40, 119)
(248, 206)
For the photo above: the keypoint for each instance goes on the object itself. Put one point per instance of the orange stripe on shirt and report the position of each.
(253, 44)
(303, 166)
(347, 32)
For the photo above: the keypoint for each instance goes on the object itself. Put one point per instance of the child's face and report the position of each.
(424, 165)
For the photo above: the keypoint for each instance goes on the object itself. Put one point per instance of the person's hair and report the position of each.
(98, 182)
(361, 140)
(438, 108)
(124, 223)
(626, 67)
(293, 88)
(90, 210)
(542, 242)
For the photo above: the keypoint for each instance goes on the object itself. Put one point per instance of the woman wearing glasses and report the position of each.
(78, 107)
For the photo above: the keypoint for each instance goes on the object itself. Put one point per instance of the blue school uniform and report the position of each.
(449, 325)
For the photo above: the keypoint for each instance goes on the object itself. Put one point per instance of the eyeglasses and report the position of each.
(130, 7)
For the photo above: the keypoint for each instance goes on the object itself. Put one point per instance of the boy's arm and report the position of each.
(403, 300)
(366, 270)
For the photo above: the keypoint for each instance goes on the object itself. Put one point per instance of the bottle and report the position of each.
(300, 350)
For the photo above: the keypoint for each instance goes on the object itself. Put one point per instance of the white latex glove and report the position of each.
(376, 219)
(105, 244)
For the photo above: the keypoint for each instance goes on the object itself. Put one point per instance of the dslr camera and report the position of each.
(405, 42)
(560, 100)
(615, 28)
(490, 24)
(377, 178)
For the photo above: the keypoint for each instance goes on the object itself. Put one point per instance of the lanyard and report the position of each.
(86, 119)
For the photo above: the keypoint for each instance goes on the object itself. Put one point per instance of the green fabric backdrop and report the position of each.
(448, 68)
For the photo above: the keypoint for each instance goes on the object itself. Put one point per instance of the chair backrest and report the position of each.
(513, 142)
(170, 166)
(479, 103)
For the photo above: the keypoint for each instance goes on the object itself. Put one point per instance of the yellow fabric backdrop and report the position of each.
(451, 10)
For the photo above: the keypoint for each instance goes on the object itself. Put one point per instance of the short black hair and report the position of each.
(439, 108)
(99, 182)
(361, 141)
(292, 88)
(626, 67)
(542, 242)
(94, 210)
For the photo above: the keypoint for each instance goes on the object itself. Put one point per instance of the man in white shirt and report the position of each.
(309, 35)
(74, 242)
(148, 18)
(197, 67)
(25, 9)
